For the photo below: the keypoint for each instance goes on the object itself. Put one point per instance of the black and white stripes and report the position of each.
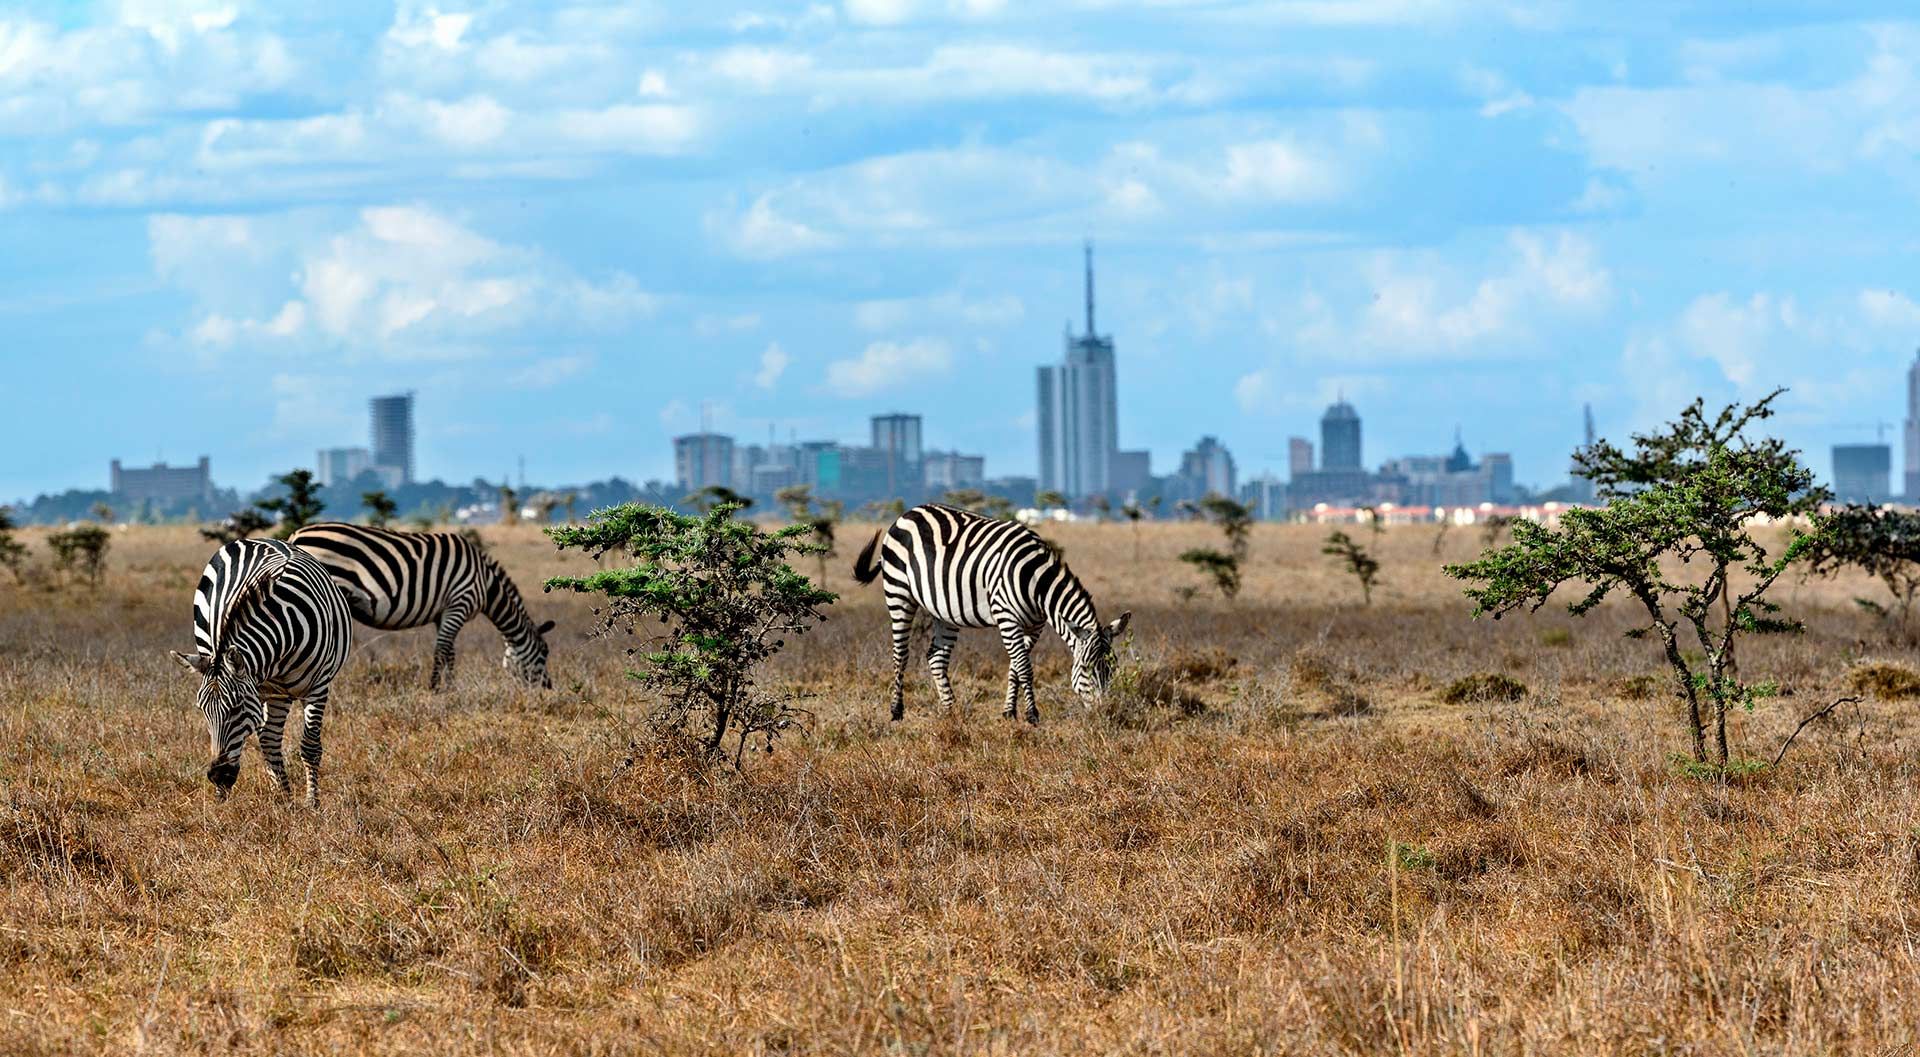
(969, 571)
(395, 580)
(269, 629)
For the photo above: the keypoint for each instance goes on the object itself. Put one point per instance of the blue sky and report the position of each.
(570, 228)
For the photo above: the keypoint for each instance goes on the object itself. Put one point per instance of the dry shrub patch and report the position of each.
(1886, 680)
(1482, 687)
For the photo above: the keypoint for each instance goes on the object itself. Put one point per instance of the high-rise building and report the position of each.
(1912, 465)
(1299, 456)
(946, 471)
(1862, 473)
(1580, 489)
(1205, 470)
(1078, 412)
(897, 436)
(393, 438)
(1340, 438)
(161, 483)
(1130, 473)
(337, 466)
(702, 460)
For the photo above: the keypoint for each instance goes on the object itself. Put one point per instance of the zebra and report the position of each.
(970, 571)
(394, 580)
(269, 628)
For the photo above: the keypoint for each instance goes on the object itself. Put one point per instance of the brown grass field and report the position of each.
(1283, 840)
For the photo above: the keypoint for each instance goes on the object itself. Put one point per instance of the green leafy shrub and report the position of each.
(1364, 567)
(728, 600)
(81, 550)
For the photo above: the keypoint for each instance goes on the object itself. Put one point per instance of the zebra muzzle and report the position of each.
(223, 774)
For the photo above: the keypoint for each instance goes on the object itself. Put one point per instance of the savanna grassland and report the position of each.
(1283, 834)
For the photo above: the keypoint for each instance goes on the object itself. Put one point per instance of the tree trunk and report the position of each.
(1687, 689)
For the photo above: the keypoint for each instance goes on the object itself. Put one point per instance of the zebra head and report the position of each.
(528, 659)
(230, 700)
(1093, 656)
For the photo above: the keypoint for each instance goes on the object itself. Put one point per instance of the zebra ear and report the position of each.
(1119, 626)
(544, 628)
(198, 663)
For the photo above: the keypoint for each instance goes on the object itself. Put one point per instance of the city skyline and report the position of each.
(1483, 215)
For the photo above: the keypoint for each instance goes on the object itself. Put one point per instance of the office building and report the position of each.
(1862, 473)
(161, 483)
(1340, 438)
(1205, 470)
(1131, 473)
(393, 438)
(945, 471)
(339, 466)
(1299, 456)
(703, 460)
(1078, 412)
(897, 437)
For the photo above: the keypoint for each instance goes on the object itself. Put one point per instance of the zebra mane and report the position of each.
(501, 591)
(258, 583)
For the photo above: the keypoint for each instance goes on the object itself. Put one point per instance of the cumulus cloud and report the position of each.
(954, 307)
(773, 363)
(403, 280)
(887, 365)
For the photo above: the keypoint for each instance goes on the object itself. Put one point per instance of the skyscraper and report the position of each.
(1340, 437)
(1861, 472)
(341, 465)
(703, 459)
(1579, 489)
(897, 436)
(393, 438)
(1912, 465)
(1299, 456)
(1078, 412)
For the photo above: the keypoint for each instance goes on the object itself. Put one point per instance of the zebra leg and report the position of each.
(939, 652)
(451, 622)
(900, 615)
(1019, 644)
(271, 733)
(315, 714)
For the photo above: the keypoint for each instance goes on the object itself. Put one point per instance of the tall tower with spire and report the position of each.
(1078, 411)
(1579, 489)
(1912, 464)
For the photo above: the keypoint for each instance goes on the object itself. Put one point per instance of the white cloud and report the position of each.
(763, 68)
(879, 12)
(762, 232)
(1277, 170)
(548, 372)
(955, 307)
(887, 365)
(773, 363)
(395, 280)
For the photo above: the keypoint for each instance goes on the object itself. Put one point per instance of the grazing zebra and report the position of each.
(269, 629)
(969, 571)
(396, 580)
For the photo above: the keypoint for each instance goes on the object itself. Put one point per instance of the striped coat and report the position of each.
(269, 629)
(970, 571)
(396, 580)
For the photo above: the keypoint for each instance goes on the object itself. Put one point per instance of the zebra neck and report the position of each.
(504, 607)
(1070, 608)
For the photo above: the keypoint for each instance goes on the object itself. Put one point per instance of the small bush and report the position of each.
(1637, 687)
(1328, 685)
(1483, 686)
(1885, 680)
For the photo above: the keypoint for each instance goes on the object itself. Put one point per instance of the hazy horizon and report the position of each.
(569, 229)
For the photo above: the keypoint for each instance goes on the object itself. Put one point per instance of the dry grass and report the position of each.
(1286, 842)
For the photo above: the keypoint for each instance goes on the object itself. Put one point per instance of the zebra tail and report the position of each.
(867, 567)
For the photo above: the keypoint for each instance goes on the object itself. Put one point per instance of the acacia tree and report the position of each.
(1236, 523)
(81, 549)
(380, 508)
(819, 516)
(714, 496)
(1364, 567)
(1132, 512)
(728, 598)
(13, 553)
(509, 505)
(1884, 544)
(302, 503)
(238, 526)
(1687, 497)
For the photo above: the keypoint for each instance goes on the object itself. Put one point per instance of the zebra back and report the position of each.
(275, 606)
(956, 563)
